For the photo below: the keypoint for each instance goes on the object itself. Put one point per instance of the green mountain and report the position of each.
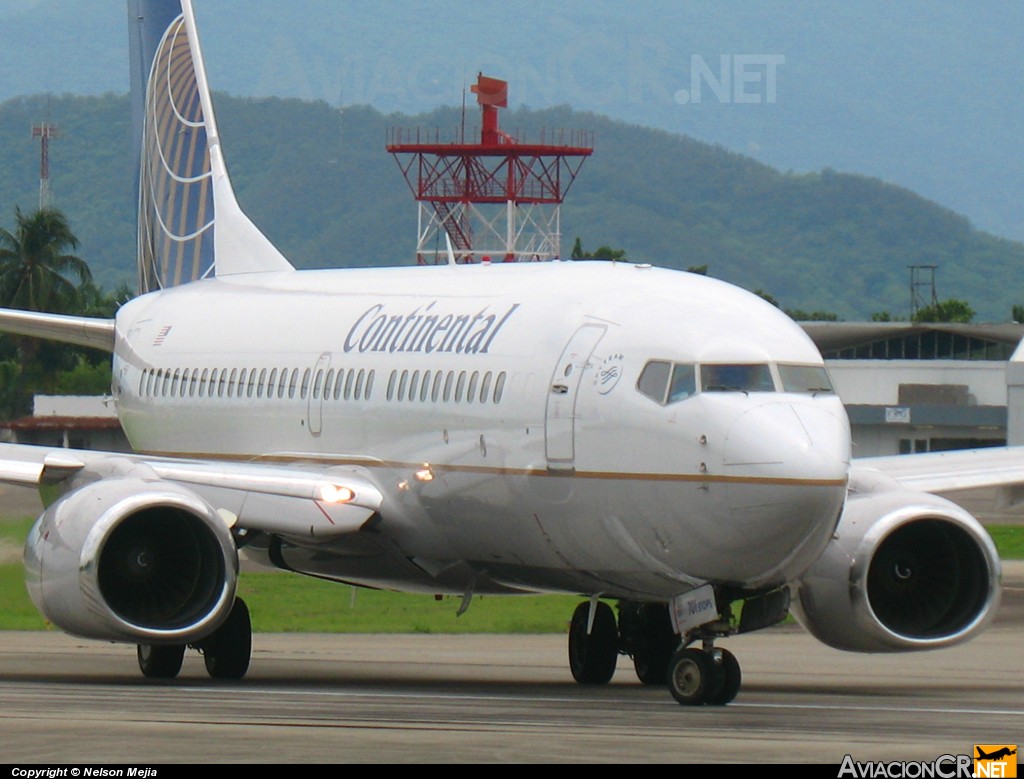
(320, 184)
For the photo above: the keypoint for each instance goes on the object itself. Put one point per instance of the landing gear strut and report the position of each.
(226, 651)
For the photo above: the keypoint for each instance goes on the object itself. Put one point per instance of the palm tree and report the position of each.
(35, 263)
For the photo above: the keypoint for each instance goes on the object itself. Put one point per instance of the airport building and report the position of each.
(925, 387)
(69, 421)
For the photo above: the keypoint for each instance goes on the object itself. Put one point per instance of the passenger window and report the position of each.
(471, 389)
(684, 383)
(435, 392)
(425, 387)
(414, 385)
(736, 378)
(460, 386)
(499, 387)
(402, 383)
(653, 381)
(359, 385)
(448, 385)
(293, 382)
(485, 387)
(317, 384)
(369, 386)
(328, 381)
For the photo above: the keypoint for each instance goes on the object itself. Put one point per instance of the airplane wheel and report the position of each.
(693, 678)
(160, 661)
(228, 649)
(731, 677)
(657, 640)
(592, 658)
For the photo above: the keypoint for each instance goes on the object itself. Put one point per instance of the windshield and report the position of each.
(736, 378)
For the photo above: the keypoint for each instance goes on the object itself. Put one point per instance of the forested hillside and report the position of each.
(319, 182)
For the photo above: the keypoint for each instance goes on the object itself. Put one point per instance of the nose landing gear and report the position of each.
(699, 676)
(694, 676)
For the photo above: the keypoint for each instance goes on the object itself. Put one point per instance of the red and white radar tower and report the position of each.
(498, 199)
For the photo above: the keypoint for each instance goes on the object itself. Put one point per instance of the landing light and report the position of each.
(335, 493)
(424, 474)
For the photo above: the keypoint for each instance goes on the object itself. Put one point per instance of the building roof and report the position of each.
(830, 336)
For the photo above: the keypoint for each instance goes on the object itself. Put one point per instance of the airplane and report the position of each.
(997, 755)
(626, 433)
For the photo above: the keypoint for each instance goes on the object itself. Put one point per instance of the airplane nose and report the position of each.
(786, 465)
(804, 441)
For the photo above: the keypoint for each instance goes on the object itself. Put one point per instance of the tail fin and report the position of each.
(190, 225)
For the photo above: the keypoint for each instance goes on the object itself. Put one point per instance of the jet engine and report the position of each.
(134, 560)
(904, 571)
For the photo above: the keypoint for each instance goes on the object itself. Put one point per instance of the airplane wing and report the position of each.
(79, 330)
(950, 471)
(311, 499)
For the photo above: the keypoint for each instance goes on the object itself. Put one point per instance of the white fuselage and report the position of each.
(500, 410)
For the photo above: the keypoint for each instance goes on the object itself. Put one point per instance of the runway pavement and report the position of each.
(358, 698)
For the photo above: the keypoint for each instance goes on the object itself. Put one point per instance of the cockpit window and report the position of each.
(736, 378)
(653, 381)
(666, 382)
(805, 378)
(684, 383)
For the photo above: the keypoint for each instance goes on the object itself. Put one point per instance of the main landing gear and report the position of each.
(694, 676)
(226, 651)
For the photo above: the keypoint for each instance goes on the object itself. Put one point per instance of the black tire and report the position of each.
(655, 644)
(731, 680)
(592, 658)
(228, 649)
(693, 677)
(158, 661)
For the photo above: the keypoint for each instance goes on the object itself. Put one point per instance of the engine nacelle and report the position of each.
(904, 571)
(127, 559)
